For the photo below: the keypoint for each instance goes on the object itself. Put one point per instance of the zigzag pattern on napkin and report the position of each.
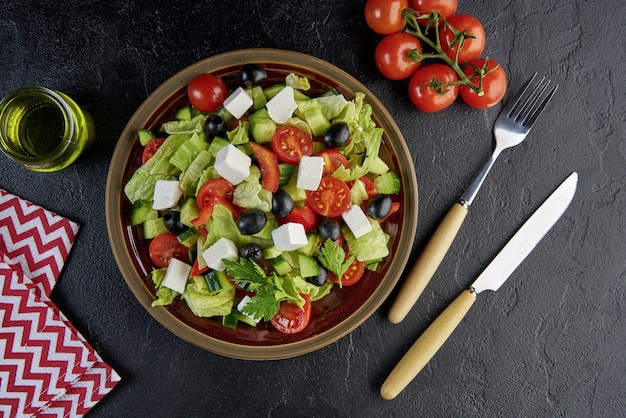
(39, 240)
(46, 365)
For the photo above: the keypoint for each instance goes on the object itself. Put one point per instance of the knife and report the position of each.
(496, 273)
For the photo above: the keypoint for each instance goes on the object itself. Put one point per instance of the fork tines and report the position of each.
(533, 98)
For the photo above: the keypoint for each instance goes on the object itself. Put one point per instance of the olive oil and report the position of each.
(43, 130)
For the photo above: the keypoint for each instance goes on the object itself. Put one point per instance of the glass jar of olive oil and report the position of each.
(42, 129)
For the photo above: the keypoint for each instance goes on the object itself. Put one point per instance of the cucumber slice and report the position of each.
(308, 266)
(184, 113)
(286, 172)
(230, 320)
(141, 212)
(388, 183)
(262, 128)
(153, 227)
(188, 238)
(216, 145)
(281, 266)
(145, 136)
(378, 166)
(189, 211)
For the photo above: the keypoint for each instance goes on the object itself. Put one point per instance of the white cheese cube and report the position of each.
(310, 172)
(282, 106)
(166, 194)
(289, 236)
(176, 275)
(238, 103)
(357, 221)
(244, 301)
(223, 248)
(232, 164)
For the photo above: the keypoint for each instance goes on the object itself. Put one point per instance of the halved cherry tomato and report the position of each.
(268, 164)
(214, 187)
(472, 46)
(291, 318)
(391, 55)
(332, 197)
(351, 276)
(493, 83)
(150, 149)
(207, 92)
(207, 210)
(166, 246)
(370, 188)
(290, 144)
(426, 92)
(305, 216)
(333, 159)
(385, 16)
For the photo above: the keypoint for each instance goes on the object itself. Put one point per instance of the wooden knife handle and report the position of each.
(427, 345)
(427, 263)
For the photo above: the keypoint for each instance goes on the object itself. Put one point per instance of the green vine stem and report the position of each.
(412, 27)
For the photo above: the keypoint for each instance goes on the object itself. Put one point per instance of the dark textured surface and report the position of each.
(549, 343)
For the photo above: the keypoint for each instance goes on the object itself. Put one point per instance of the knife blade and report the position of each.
(492, 277)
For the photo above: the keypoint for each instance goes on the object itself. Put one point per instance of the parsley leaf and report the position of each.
(246, 271)
(333, 257)
(263, 304)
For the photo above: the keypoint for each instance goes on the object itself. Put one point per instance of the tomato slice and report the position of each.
(305, 216)
(290, 144)
(150, 149)
(166, 246)
(332, 197)
(207, 210)
(370, 187)
(291, 318)
(351, 276)
(268, 163)
(333, 159)
(214, 187)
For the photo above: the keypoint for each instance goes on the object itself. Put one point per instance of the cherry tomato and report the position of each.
(268, 163)
(333, 159)
(305, 216)
(370, 188)
(351, 276)
(385, 16)
(391, 55)
(290, 144)
(493, 84)
(429, 99)
(150, 149)
(332, 197)
(166, 246)
(472, 47)
(207, 92)
(214, 187)
(446, 8)
(291, 318)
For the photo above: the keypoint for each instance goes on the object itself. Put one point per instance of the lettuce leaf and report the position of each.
(165, 296)
(371, 246)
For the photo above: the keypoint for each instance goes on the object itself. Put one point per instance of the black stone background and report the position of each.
(550, 342)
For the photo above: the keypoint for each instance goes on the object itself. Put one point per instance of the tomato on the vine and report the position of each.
(151, 148)
(445, 8)
(391, 55)
(291, 318)
(473, 45)
(166, 246)
(385, 16)
(290, 144)
(207, 92)
(332, 197)
(493, 83)
(429, 97)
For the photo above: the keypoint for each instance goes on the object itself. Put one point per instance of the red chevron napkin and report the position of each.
(47, 368)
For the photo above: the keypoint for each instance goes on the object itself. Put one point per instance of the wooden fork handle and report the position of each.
(427, 345)
(427, 263)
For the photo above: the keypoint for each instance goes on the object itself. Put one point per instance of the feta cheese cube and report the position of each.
(310, 172)
(166, 194)
(223, 248)
(244, 301)
(357, 221)
(232, 164)
(176, 275)
(282, 106)
(238, 103)
(289, 236)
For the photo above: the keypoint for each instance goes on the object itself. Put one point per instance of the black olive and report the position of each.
(282, 204)
(379, 206)
(172, 222)
(337, 135)
(252, 75)
(329, 228)
(251, 221)
(214, 126)
(252, 251)
(320, 279)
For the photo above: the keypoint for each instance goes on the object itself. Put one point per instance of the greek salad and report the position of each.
(258, 200)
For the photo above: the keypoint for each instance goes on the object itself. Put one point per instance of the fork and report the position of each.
(511, 127)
